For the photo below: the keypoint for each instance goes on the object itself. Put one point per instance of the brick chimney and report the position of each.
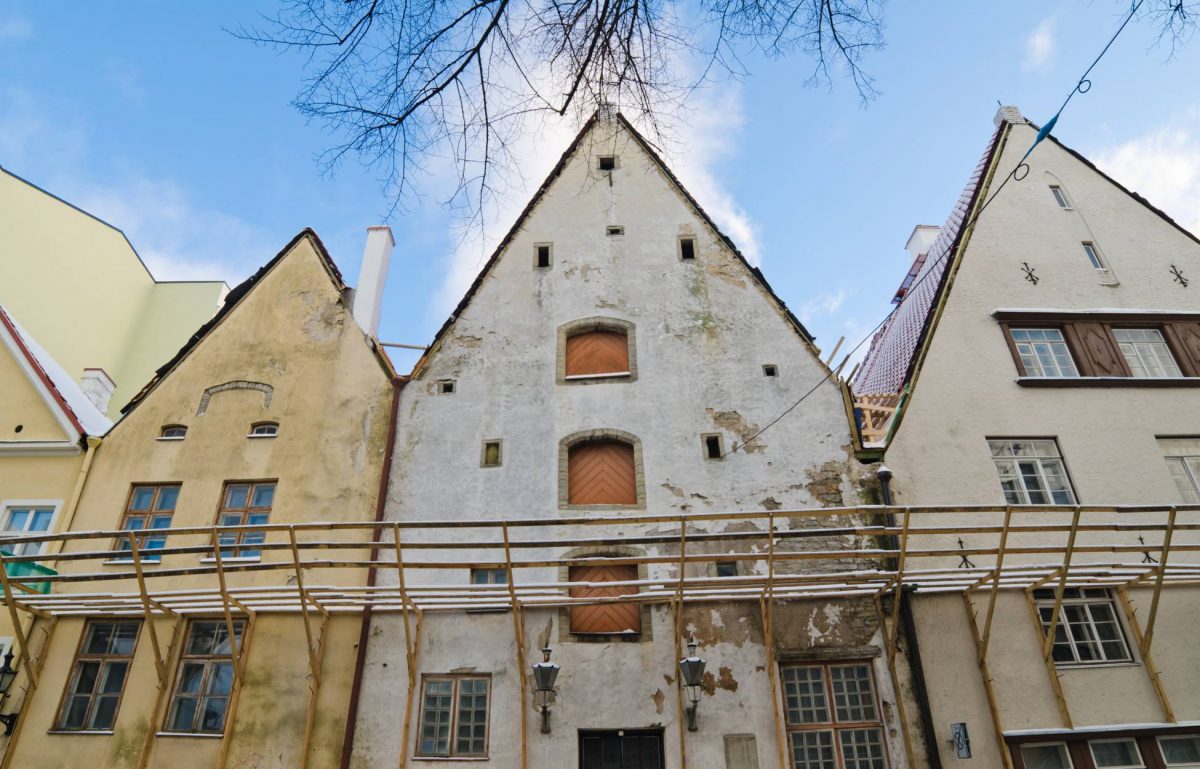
(1008, 114)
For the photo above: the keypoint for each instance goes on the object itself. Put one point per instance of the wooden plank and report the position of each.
(988, 688)
(1152, 671)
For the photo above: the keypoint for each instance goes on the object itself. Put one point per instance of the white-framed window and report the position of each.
(1044, 352)
(264, 430)
(1052, 755)
(1031, 471)
(28, 517)
(489, 576)
(1182, 752)
(1183, 460)
(1060, 196)
(1088, 631)
(1093, 255)
(1147, 353)
(1116, 754)
(454, 716)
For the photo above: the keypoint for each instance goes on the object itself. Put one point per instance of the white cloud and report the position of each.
(15, 28)
(824, 303)
(1041, 46)
(1163, 166)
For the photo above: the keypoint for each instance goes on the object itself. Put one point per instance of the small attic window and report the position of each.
(491, 454)
(770, 369)
(687, 249)
(607, 162)
(712, 446)
(541, 255)
(614, 230)
(727, 568)
(1060, 197)
(445, 387)
(172, 432)
(264, 430)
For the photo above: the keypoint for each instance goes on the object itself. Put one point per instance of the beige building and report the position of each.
(180, 646)
(1042, 366)
(77, 285)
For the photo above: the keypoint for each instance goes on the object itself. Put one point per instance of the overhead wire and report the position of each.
(1083, 85)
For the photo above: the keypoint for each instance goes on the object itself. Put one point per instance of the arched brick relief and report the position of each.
(239, 384)
(564, 613)
(602, 434)
(597, 323)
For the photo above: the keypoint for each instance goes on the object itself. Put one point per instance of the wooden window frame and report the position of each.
(608, 634)
(104, 660)
(1182, 458)
(121, 543)
(1059, 456)
(597, 323)
(1079, 750)
(604, 434)
(452, 746)
(236, 643)
(1087, 601)
(239, 542)
(833, 724)
(1174, 327)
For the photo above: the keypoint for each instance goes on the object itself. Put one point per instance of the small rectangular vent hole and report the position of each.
(608, 162)
(615, 230)
(770, 369)
(687, 249)
(542, 254)
(446, 386)
(727, 569)
(491, 454)
(712, 447)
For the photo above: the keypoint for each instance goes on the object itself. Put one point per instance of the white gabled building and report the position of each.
(607, 362)
(1047, 353)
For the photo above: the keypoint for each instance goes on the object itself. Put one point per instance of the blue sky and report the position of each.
(153, 117)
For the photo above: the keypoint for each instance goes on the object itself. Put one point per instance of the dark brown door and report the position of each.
(601, 473)
(597, 352)
(606, 617)
(621, 749)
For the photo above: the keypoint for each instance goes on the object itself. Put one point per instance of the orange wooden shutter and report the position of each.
(606, 617)
(597, 352)
(601, 473)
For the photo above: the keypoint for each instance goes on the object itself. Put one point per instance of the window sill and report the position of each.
(610, 375)
(1093, 665)
(262, 436)
(130, 562)
(168, 440)
(1107, 381)
(204, 735)
(233, 559)
(93, 732)
(451, 758)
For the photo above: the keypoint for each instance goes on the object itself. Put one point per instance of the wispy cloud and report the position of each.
(1041, 46)
(15, 27)
(824, 303)
(1163, 165)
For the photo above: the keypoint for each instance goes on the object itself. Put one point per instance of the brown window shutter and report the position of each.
(605, 617)
(597, 352)
(1184, 339)
(1097, 350)
(601, 473)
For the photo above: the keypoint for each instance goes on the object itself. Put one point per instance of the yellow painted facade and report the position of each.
(77, 285)
(286, 349)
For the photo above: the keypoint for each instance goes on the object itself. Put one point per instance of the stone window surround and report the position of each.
(238, 384)
(595, 323)
(574, 439)
(645, 610)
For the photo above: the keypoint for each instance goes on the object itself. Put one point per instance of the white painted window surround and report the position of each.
(1031, 471)
(1147, 353)
(1052, 755)
(1044, 352)
(1183, 460)
(29, 516)
(1088, 631)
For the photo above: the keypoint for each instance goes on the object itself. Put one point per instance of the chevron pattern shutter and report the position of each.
(606, 617)
(601, 473)
(597, 352)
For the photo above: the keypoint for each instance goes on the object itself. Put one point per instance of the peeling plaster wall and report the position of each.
(703, 332)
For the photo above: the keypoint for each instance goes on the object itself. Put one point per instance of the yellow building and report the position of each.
(78, 286)
(277, 412)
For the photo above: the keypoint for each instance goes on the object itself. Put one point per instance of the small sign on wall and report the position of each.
(962, 741)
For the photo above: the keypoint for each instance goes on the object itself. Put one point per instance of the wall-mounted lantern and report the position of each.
(544, 675)
(8, 674)
(692, 668)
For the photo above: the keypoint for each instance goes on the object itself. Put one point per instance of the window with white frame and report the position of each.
(1181, 752)
(1031, 471)
(1044, 352)
(1060, 196)
(1147, 353)
(1116, 754)
(1053, 755)
(454, 717)
(832, 717)
(28, 519)
(1093, 255)
(1088, 631)
(1183, 460)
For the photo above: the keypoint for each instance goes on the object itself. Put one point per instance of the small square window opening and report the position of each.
(770, 369)
(727, 569)
(491, 454)
(445, 386)
(541, 253)
(687, 249)
(607, 162)
(615, 230)
(712, 446)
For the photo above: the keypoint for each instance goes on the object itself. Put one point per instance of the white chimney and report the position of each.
(1007, 113)
(98, 386)
(368, 297)
(921, 239)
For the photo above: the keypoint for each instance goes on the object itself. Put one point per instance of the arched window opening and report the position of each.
(602, 352)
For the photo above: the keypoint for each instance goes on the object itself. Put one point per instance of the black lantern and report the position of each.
(544, 675)
(8, 674)
(692, 668)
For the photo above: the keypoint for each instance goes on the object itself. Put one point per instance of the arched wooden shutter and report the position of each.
(606, 617)
(601, 473)
(597, 352)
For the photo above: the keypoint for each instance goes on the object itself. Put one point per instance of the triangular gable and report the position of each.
(75, 413)
(235, 297)
(673, 180)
